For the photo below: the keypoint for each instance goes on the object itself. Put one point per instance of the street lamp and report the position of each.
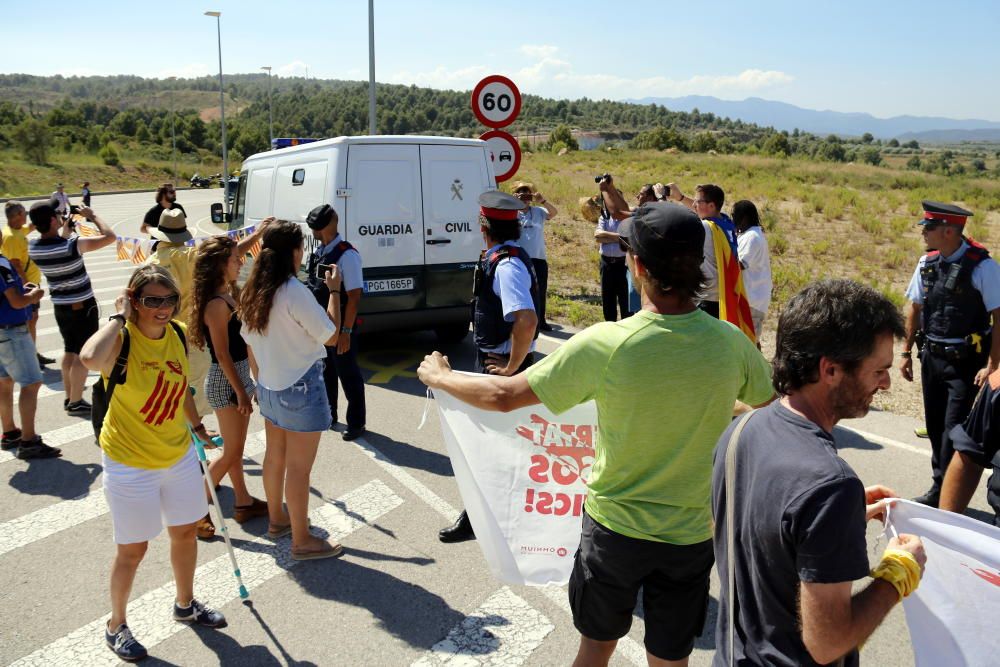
(270, 118)
(222, 100)
(173, 126)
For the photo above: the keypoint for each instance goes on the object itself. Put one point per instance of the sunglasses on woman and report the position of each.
(155, 302)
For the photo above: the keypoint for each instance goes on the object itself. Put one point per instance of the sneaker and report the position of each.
(124, 644)
(45, 361)
(198, 614)
(920, 432)
(36, 449)
(11, 440)
(77, 407)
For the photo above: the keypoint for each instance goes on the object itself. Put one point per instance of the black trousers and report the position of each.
(345, 368)
(542, 275)
(481, 356)
(614, 288)
(948, 395)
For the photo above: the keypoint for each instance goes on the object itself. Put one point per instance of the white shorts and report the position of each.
(141, 500)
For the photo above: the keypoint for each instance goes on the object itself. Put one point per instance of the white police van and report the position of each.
(407, 203)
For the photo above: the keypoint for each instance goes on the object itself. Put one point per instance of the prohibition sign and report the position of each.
(496, 101)
(505, 153)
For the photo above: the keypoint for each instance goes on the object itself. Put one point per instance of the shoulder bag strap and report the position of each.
(118, 375)
(734, 440)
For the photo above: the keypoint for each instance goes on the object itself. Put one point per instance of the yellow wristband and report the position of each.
(899, 568)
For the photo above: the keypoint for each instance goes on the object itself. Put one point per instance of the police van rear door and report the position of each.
(383, 216)
(453, 177)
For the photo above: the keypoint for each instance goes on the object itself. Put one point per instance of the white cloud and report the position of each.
(538, 50)
(294, 68)
(552, 76)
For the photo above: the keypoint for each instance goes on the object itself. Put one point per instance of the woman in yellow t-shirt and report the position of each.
(151, 473)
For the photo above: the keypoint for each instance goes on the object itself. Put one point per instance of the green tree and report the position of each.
(913, 162)
(912, 144)
(565, 135)
(109, 156)
(777, 144)
(979, 164)
(893, 143)
(871, 155)
(867, 138)
(34, 139)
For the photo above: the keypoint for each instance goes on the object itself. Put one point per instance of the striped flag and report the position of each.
(138, 252)
(255, 249)
(734, 307)
(123, 253)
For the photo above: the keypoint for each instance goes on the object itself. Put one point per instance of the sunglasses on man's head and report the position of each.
(155, 302)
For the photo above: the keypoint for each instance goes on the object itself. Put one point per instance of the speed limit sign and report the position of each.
(496, 101)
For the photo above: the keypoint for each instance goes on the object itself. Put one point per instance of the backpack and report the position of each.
(100, 395)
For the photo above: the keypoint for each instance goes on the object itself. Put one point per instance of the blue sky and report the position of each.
(885, 57)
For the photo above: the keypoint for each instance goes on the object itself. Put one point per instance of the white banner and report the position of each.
(953, 614)
(521, 475)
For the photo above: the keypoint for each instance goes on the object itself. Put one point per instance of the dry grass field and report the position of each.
(822, 220)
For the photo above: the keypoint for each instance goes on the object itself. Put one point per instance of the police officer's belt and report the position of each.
(950, 351)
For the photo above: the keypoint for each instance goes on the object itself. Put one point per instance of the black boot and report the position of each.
(460, 531)
(931, 498)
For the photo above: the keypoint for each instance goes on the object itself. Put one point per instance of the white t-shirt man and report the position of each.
(533, 231)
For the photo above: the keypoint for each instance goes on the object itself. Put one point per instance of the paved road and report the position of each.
(397, 597)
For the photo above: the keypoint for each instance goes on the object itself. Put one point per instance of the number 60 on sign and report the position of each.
(496, 101)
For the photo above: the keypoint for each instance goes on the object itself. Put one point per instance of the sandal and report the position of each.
(326, 551)
(276, 532)
(204, 528)
(244, 513)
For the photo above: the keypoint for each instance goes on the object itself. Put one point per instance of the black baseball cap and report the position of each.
(320, 217)
(41, 212)
(658, 230)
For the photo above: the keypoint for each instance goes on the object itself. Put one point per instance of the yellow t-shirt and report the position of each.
(178, 259)
(15, 246)
(145, 425)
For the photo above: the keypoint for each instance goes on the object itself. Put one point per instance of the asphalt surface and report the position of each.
(398, 596)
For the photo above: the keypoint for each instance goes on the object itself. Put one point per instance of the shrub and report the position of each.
(109, 156)
(34, 139)
(563, 134)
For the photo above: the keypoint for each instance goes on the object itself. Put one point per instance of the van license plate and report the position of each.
(389, 285)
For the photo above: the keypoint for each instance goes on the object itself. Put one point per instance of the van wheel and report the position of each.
(452, 333)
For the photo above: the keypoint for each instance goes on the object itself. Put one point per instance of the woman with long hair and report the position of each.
(228, 385)
(287, 331)
(755, 261)
(151, 473)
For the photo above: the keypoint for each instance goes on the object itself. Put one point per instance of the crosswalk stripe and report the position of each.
(59, 437)
(45, 391)
(49, 311)
(504, 630)
(149, 615)
(38, 525)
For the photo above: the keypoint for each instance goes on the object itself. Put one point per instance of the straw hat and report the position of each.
(173, 227)
(590, 208)
(520, 185)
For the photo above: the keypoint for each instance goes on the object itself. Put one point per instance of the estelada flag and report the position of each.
(123, 253)
(734, 307)
(138, 253)
(254, 249)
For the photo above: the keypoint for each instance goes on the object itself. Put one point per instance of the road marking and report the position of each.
(59, 437)
(45, 391)
(149, 615)
(50, 310)
(416, 487)
(629, 648)
(504, 630)
(384, 373)
(879, 440)
(38, 525)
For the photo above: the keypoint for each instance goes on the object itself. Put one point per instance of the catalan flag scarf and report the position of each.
(733, 304)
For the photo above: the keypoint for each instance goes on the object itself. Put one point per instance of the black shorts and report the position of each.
(77, 322)
(608, 570)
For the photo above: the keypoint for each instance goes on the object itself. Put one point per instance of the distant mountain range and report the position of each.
(783, 116)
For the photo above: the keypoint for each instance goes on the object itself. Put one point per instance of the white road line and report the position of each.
(504, 630)
(418, 489)
(45, 391)
(59, 437)
(149, 615)
(38, 525)
(627, 647)
(50, 311)
(879, 440)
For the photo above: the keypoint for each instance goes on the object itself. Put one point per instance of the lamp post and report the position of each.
(173, 126)
(270, 117)
(222, 100)
(371, 67)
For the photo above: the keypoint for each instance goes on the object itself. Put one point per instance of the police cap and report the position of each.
(496, 205)
(938, 213)
(320, 217)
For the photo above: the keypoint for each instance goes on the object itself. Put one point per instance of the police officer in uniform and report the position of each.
(505, 306)
(954, 309)
(342, 360)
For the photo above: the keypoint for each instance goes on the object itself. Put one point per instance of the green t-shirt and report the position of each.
(665, 386)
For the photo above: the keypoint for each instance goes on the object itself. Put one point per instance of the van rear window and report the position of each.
(298, 177)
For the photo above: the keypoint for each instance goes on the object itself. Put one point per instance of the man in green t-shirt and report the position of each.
(665, 382)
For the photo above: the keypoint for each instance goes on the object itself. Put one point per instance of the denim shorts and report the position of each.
(303, 407)
(17, 356)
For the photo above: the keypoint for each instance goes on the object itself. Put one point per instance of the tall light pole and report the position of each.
(222, 99)
(371, 67)
(173, 126)
(270, 117)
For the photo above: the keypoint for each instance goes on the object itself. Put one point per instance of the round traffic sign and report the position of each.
(496, 101)
(505, 153)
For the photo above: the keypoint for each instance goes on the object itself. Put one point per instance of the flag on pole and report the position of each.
(123, 253)
(139, 253)
(952, 614)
